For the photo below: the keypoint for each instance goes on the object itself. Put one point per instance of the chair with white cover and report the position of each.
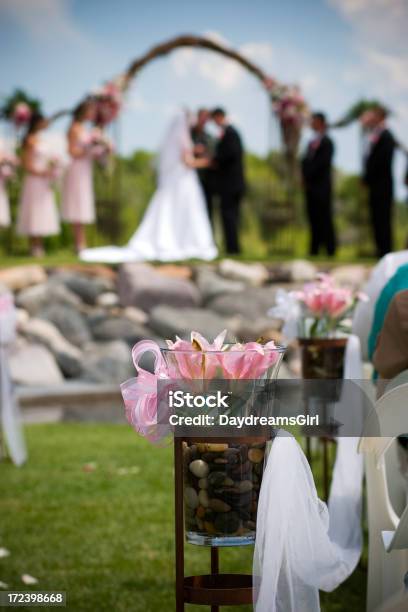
(387, 502)
(397, 603)
(364, 311)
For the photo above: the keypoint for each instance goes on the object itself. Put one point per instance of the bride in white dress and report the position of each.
(176, 224)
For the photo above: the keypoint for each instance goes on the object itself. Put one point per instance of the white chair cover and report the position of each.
(386, 501)
(10, 421)
(364, 312)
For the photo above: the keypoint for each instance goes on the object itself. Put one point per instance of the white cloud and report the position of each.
(224, 73)
(396, 68)
(379, 29)
(309, 83)
(135, 102)
(43, 19)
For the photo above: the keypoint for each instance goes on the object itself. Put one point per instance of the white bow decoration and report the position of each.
(10, 421)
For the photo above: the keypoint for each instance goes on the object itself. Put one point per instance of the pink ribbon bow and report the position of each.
(140, 394)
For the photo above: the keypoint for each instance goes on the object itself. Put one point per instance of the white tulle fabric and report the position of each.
(176, 224)
(301, 544)
(9, 410)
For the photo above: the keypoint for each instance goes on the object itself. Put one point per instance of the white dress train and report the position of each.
(176, 224)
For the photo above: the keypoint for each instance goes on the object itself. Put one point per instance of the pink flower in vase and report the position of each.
(248, 361)
(337, 302)
(195, 359)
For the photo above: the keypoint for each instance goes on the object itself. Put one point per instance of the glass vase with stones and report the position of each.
(222, 481)
(222, 470)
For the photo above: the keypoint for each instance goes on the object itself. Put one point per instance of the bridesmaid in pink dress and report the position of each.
(78, 202)
(37, 215)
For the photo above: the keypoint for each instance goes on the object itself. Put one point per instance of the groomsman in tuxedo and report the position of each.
(230, 181)
(378, 177)
(204, 147)
(317, 181)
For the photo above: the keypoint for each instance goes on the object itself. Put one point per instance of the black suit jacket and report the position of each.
(229, 163)
(317, 169)
(378, 164)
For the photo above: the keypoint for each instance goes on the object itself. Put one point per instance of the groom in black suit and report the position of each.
(230, 182)
(378, 177)
(317, 182)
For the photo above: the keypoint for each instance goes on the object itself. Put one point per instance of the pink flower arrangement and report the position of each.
(194, 359)
(109, 100)
(21, 114)
(288, 102)
(250, 360)
(325, 306)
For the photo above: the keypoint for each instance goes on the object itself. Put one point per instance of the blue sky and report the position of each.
(337, 50)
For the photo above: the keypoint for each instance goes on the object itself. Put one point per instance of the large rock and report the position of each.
(300, 270)
(107, 362)
(141, 286)
(67, 355)
(168, 322)
(118, 328)
(212, 284)
(175, 271)
(20, 277)
(33, 299)
(255, 274)
(252, 304)
(69, 321)
(32, 364)
(249, 330)
(353, 276)
(86, 287)
(92, 270)
(135, 314)
(110, 299)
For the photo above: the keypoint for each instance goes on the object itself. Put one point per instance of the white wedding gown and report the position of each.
(176, 224)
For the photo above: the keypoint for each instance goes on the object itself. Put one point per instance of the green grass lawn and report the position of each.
(105, 536)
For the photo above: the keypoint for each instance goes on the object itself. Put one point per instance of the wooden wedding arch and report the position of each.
(278, 211)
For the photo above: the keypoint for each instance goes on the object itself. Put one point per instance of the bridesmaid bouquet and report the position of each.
(100, 148)
(8, 167)
(55, 168)
(321, 310)
(189, 360)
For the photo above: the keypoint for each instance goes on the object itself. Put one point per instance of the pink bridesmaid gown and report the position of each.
(37, 215)
(78, 202)
(4, 205)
